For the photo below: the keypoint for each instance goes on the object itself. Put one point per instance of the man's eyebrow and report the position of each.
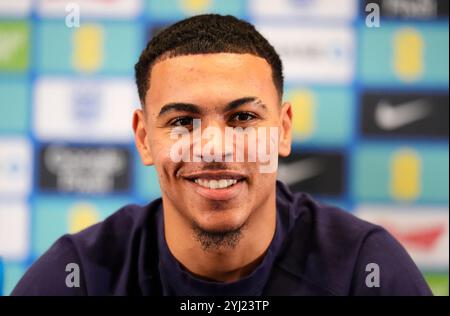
(195, 109)
(179, 106)
(239, 102)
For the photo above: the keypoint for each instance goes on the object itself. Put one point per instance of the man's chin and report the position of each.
(219, 219)
(216, 229)
(217, 237)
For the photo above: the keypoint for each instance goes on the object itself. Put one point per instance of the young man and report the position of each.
(224, 226)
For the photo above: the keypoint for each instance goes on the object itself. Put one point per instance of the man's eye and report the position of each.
(243, 117)
(182, 121)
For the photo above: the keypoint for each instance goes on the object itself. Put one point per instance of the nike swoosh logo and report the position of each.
(390, 117)
(298, 171)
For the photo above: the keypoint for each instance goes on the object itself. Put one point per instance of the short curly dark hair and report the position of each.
(206, 34)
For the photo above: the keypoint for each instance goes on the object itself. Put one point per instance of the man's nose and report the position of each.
(211, 142)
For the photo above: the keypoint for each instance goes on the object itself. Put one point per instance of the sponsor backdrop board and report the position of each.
(369, 92)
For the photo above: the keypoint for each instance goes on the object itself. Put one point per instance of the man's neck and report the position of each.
(224, 264)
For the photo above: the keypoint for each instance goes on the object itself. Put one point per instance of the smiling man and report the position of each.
(213, 124)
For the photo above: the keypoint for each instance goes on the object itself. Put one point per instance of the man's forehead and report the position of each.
(206, 78)
(220, 58)
(210, 64)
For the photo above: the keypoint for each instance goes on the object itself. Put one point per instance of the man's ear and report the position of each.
(140, 137)
(284, 147)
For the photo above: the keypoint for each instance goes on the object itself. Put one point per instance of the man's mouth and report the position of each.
(217, 185)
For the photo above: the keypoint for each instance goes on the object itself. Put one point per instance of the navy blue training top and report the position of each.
(178, 282)
(316, 250)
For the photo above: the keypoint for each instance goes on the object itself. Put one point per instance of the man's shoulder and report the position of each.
(102, 253)
(118, 228)
(328, 230)
(329, 250)
(325, 220)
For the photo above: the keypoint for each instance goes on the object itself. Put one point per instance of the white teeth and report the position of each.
(216, 184)
(213, 184)
(223, 183)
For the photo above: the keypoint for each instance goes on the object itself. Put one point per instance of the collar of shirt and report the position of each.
(177, 281)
